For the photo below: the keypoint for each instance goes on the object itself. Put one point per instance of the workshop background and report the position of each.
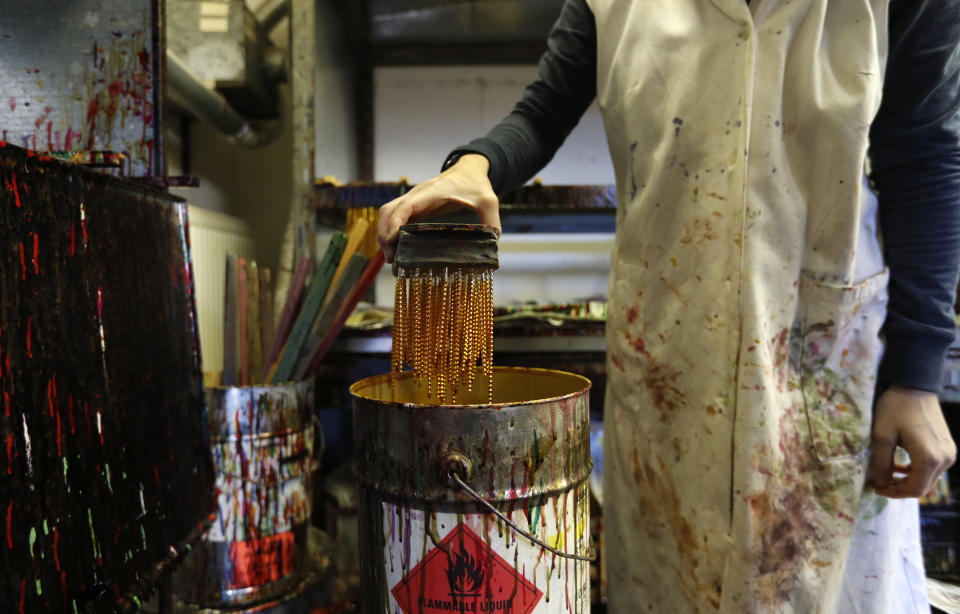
(273, 125)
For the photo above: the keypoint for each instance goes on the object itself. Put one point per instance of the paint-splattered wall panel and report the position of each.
(82, 75)
(105, 468)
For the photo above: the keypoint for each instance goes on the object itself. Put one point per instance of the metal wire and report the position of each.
(589, 558)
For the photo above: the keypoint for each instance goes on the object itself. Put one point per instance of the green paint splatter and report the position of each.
(33, 540)
(93, 535)
(109, 485)
(39, 587)
(143, 536)
(536, 515)
(136, 600)
(46, 531)
(74, 602)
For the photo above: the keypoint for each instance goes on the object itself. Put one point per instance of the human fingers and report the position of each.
(929, 458)
(883, 445)
(422, 201)
(465, 185)
(388, 226)
(917, 481)
(489, 214)
(402, 210)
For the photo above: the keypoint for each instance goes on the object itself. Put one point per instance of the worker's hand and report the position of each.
(913, 420)
(464, 184)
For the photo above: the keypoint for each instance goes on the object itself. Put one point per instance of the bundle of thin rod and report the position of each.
(443, 307)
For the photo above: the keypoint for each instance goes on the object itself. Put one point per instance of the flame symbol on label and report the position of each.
(465, 574)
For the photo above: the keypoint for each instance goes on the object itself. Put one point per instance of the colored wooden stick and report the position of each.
(254, 352)
(267, 322)
(243, 379)
(288, 315)
(230, 323)
(335, 299)
(311, 306)
(361, 287)
(355, 237)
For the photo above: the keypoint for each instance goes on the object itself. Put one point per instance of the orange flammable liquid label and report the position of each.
(261, 561)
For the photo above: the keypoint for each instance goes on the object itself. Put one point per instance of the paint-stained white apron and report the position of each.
(747, 293)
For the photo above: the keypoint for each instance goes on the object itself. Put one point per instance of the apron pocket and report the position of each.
(841, 348)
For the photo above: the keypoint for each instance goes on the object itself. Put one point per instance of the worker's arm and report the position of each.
(915, 161)
(521, 144)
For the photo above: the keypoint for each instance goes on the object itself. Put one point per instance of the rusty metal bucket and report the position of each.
(475, 507)
(262, 438)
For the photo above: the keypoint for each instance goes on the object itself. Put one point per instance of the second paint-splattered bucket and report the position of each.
(428, 544)
(262, 438)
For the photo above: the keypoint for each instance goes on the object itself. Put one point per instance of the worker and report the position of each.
(788, 181)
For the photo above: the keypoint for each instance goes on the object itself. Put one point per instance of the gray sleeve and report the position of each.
(915, 161)
(526, 140)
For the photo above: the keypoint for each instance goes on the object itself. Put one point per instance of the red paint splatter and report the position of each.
(6, 395)
(23, 593)
(23, 263)
(9, 528)
(16, 192)
(638, 345)
(73, 238)
(93, 109)
(632, 314)
(43, 118)
(115, 88)
(36, 253)
(617, 362)
(50, 136)
(10, 454)
(29, 335)
(50, 396)
(144, 57)
(68, 145)
(13, 104)
(56, 554)
(156, 475)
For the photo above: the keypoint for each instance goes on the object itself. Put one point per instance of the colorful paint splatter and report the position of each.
(83, 82)
(103, 453)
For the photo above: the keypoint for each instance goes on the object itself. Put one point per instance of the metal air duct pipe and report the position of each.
(189, 94)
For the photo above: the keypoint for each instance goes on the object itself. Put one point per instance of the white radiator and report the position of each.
(212, 236)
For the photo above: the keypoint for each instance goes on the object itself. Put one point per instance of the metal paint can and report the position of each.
(262, 440)
(427, 545)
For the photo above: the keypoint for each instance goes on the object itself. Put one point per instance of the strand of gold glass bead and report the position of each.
(443, 327)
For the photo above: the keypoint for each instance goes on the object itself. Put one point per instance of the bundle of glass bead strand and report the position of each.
(443, 329)
(443, 308)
